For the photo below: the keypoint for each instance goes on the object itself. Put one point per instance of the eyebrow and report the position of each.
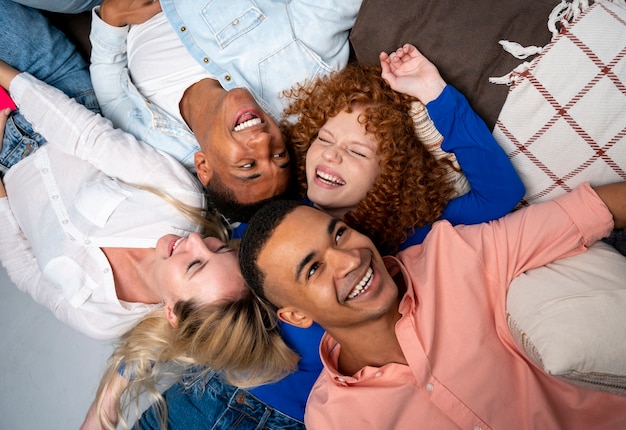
(330, 228)
(351, 142)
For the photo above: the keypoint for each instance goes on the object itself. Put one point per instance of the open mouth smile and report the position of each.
(363, 284)
(175, 244)
(329, 179)
(247, 120)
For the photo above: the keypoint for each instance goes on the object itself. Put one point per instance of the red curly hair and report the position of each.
(411, 190)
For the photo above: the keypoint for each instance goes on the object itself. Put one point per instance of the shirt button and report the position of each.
(205, 59)
(64, 221)
(106, 270)
(235, 22)
(55, 197)
(430, 387)
(183, 29)
(227, 77)
(87, 241)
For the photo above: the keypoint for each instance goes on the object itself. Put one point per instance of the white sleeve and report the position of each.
(77, 131)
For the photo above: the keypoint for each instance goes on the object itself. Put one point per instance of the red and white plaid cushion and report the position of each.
(564, 119)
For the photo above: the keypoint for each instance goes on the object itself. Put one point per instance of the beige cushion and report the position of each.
(569, 317)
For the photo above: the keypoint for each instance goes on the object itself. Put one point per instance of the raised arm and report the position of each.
(495, 186)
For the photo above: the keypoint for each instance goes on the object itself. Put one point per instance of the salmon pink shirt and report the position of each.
(464, 369)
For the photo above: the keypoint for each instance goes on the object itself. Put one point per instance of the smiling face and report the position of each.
(341, 164)
(242, 145)
(318, 269)
(192, 268)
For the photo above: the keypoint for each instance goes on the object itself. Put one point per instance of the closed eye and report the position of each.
(193, 263)
(321, 139)
(358, 154)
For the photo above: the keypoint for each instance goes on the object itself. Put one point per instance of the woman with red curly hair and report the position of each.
(359, 157)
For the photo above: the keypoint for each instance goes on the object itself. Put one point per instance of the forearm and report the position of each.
(495, 186)
(7, 73)
(106, 404)
(614, 197)
(109, 70)
(539, 234)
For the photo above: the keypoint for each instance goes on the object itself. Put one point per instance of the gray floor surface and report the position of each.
(49, 372)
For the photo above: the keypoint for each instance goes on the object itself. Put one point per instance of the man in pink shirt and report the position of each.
(421, 339)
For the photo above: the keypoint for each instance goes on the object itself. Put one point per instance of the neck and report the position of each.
(374, 345)
(130, 275)
(197, 100)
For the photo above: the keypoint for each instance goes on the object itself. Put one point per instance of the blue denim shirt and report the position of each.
(122, 103)
(265, 46)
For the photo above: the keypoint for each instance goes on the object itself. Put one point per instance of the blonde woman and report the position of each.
(85, 232)
(103, 230)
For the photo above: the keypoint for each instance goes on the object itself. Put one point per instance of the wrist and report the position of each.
(432, 91)
(110, 16)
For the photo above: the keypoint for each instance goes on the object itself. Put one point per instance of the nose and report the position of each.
(195, 242)
(260, 143)
(331, 154)
(343, 261)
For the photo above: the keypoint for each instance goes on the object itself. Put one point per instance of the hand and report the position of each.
(119, 13)
(407, 71)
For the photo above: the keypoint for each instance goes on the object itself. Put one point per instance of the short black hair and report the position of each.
(260, 228)
(223, 200)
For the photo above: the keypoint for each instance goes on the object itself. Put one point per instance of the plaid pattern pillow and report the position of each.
(564, 120)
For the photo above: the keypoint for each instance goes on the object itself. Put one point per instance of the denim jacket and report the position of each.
(122, 103)
(265, 46)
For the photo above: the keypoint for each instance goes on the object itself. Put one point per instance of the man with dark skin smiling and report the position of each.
(422, 337)
(205, 83)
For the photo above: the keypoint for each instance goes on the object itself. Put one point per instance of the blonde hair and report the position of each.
(211, 223)
(240, 339)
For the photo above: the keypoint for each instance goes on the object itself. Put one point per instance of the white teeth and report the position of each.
(249, 123)
(176, 244)
(329, 179)
(363, 285)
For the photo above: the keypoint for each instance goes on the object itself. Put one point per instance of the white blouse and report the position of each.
(77, 194)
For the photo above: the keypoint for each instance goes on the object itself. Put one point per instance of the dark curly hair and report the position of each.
(411, 190)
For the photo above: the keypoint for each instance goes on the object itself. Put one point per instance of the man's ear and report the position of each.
(170, 315)
(204, 167)
(291, 316)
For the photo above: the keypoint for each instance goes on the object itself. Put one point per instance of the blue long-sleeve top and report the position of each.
(495, 186)
(495, 189)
